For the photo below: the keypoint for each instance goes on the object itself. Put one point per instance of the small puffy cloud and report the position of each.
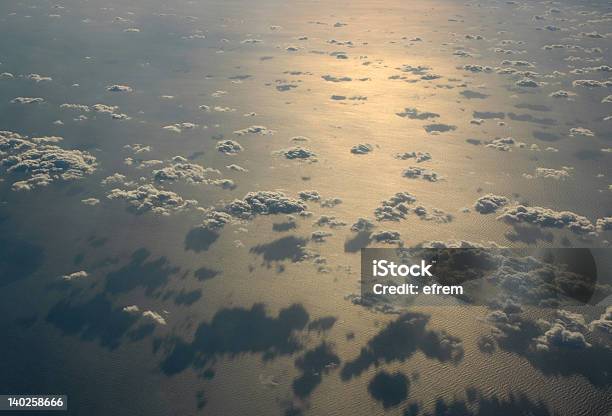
(298, 152)
(179, 127)
(236, 168)
(603, 325)
(332, 78)
(75, 276)
(559, 174)
(477, 68)
(329, 221)
(148, 198)
(439, 128)
(581, 131)
(504, 144)
(545, 217)
(562, 94)
(182, 169)
(363, 225)
(119, 88)
(131, 309)
(591, 83)
(155, 317)
(90, 201)
(229, 147)
(387, 237)
(415, 172)
(362, 149)
(414, 114)
(604, 224)
(417, 156)
(309, 195)
(490, 203)
(261, 130)
(38, 78)
(527, 83)
(320, 236)
(395, 208)
(27, 100)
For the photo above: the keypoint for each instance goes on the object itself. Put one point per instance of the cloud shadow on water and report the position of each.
(399, 340)
(18, 259)
(314, 364)
(289, 248)
(140, 273)
(200, 239)
(235, 331)
(94, 320)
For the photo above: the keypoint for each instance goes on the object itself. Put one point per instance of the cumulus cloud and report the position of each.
(155, 317)
(415, 172)
(75, 276)
(182, 169)
(604, 224)
(591, 83)
(264, 203)
(559, 174)
(581, 131)
(362, 225)
(261, 130)
(148, 198)
(490, 203)
(394, 208)
(298, 152)
(362, 149)
(387, 237)
(27, 100)
(414, 114)
(39, 161)
(229, 147)
(90, 201)
(309, 195)
(417, 156)
(545, 217)
(119, 88)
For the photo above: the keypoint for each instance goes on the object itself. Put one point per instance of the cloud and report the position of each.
(320, 236)
(395, 208)
(527, 83)
(147, 198)
(490, 203)
(418, 156)
(179, 127)
(504, 144)
(414, 114)
(558, 174)
(261, 130)
(604, 224)
(27, 100)
(264, 203)
(362, 149)
(119, 88)
(591, 83)
(580, 131)
(298, 152)
(439, 128)
(75, 276)
(155, 317)
(477, 68)
(40, 162)
(387, 237)
(181, 169)
(562, 94)
(229, 147)
(362, 225)
(330, 221)
(236, 168)
(414, 172)
(603, 325)
(545, 217)
(309, 195)
(332, 78)
(90, 201)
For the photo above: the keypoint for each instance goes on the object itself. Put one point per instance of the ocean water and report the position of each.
(259, 315)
